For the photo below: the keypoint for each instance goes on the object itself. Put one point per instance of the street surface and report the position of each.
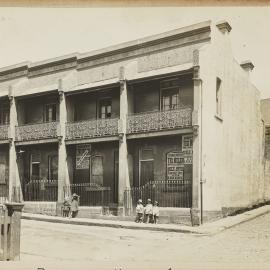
(43, 243)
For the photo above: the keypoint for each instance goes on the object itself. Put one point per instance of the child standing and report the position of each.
(155, 212)
(66, 207)
(148, 211)
(139, 211)
(74, 205)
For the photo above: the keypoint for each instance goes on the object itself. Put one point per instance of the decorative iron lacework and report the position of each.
(92, 128)
(37, 131)
(161, 120)
(4, 132)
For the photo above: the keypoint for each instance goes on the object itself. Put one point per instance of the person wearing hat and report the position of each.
(148, 211)
(66, 207)
(139, 211)
(74, 207)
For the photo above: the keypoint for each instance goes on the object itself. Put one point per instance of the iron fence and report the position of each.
(167, 193)
(3, 193)
(90, 194)
(40, 190)
(4, 132)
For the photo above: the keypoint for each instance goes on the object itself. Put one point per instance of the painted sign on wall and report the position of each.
(187, 143)
(83, 152)
(175, 165)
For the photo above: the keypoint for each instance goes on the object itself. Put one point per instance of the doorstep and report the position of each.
(205, 229)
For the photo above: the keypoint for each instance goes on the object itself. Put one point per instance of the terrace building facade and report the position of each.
(160, 117)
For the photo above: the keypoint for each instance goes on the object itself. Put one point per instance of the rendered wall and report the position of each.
(232, 148)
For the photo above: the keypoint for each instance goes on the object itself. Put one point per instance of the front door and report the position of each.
(146, 171)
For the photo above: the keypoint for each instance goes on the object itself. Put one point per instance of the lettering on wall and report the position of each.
(176, 162)
(187, 143)
(83, 152)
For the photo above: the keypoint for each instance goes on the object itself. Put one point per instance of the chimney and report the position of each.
(247, 66)
(224, 27)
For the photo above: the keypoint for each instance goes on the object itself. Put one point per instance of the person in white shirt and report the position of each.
(148, 210)
(155, 212)
(139, 211)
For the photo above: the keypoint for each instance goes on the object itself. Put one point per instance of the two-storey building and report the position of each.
(171, 117)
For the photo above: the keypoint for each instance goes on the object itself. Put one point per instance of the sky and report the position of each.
(34, 34)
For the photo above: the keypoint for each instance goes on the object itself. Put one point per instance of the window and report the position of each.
(35, 159)
(4, 114)
(169, 94)
(50, 113)
(218, 97)
(105, 108)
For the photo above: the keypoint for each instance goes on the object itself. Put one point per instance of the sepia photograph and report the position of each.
(134, 135)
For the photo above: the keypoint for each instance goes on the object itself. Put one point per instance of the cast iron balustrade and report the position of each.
(159, 120)
(37, 131)
(3, 193)
(4, 132)
(40, 190)
(90, 194)
(168, 193)
(92, 128)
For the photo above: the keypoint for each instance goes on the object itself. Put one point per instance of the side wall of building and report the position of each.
(232, 147)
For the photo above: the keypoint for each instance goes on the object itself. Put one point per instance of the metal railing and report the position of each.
(40, 190)
(4, 132)
(38, 131)
(3, 193)
(167, 193)
(91, 194)
(159, 120)
(92, 128)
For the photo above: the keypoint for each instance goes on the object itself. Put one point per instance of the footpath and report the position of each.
(205, 229)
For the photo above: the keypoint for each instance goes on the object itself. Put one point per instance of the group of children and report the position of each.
(71, 206)
(147, 214)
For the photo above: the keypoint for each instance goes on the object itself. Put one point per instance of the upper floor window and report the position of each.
(169, 94)
(4, 114)
(50, 112)
(105, 108)
(218, 97)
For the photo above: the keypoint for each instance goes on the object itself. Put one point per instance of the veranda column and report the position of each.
(123, 151)
(196, 122)
(63, 178)
(14, 180)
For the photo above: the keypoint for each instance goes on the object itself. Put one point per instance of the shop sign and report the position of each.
(187, 142)
(83, 152)
(175, 168)
(175, 165)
